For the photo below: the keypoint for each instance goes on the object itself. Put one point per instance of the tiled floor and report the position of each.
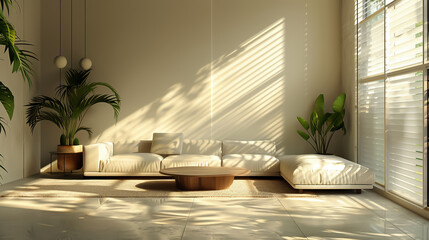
(329, 216)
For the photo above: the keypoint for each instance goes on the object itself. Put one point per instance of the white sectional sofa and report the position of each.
(135, 158)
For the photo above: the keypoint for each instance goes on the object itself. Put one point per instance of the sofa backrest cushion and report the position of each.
(249, 147)
(145, 146)
(125, 146)
(167, 143)
(202, 146)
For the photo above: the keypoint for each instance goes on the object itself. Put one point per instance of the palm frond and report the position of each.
(2, 124)
(55, 113)
(20, 59)
(103, 98)
(7, 99)
(87, 129)
(5, 5)
(74, 80)
(1, 166)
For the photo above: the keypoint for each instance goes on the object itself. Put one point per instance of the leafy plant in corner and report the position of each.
(18, 58)
(322, 126)
(70, 105)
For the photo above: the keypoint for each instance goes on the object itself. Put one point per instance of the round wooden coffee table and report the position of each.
(204, 178)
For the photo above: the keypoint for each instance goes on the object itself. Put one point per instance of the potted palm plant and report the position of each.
(19, 60)
(323, 125)
(68, 109)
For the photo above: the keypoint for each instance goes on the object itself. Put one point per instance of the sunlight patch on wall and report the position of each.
(183, 108)
(238, 96)
(249, 88)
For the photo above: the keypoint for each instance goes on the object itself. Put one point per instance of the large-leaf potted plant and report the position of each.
(18, 58)
(323, 125)
(68, 109)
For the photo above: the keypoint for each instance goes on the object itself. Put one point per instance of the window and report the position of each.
(404, 21)
(371, 127)
(391, 95)
(404, 108)
(371, 46)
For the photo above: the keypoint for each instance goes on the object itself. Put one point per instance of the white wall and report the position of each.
(220, 69)
(348, 77)
(20, 148)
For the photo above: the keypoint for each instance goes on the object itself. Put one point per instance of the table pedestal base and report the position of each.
(203, 183)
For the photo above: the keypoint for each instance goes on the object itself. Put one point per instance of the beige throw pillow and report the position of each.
(167, 143)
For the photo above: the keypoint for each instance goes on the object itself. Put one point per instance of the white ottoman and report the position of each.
(314, 171)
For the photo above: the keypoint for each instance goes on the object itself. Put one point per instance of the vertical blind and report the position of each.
(404, 101)
(390, 110)
(371, 127)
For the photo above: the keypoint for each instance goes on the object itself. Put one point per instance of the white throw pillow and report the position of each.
(167, 143)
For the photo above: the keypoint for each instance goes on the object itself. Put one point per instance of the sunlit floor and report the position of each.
(343, 215)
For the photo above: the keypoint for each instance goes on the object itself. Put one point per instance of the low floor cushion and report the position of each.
(252, 162)
(132, 162)
(315, 169)
(191, 160)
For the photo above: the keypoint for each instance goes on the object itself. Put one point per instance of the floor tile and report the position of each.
(341, 222)
(414, 225)
(240, 219)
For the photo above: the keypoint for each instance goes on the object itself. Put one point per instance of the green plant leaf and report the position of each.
(329, 122)
(338, 105)
(303, 122)
(312, 123)
(319, 105)
(7, 99)
(303, 134)
(319, 108)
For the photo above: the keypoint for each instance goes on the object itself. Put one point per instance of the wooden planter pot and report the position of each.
(69, 157)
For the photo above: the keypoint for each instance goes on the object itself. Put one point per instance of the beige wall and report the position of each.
(20, 148)
(348, 77)
(220, 69)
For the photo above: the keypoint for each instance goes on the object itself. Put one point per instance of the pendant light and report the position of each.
(85, 63)
(60, 61)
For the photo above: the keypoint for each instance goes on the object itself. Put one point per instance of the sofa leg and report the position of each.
(358, 191)
(300, 190)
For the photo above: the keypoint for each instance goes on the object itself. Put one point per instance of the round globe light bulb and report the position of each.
(60, 61)
(85, 63)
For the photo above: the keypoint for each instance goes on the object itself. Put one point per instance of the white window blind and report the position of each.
(371, 127)
(404, 33)
(371, 46)
(404, 146)
(368, 7)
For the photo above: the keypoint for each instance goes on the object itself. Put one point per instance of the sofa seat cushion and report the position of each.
(132, 162)
(252, 162)
(315, 169)
(188, 160)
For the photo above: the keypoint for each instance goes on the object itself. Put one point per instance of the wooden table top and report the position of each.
(205, 171)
